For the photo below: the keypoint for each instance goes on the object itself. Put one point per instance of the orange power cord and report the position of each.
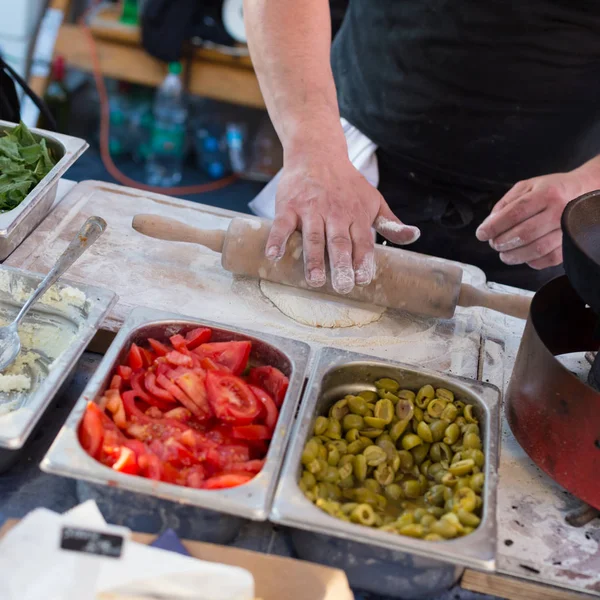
(105, 130)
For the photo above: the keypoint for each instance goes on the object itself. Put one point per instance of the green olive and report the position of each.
(424, 396)
(414, 530)
(334, 429)
(444, 393)
(375, 423)
(352, 421)
(451, 434)
(477, 482)
(394, 492)
(371, 432)
(424, 432)
(438, 430)
(411, 489)
(435, 408)
(309, 480)
(374, 455)
(465, 499)
(462, 467)
(398, 429)
(419, 415)
(363, 514)
(384, 410)
(410, 441)
(420, 453)
(345, 460)
(435, 495)
(321, 424)
(469, 416)
(470, 428)
(368, 395)
(339, 410)
(388, 447)
(407, 460)
(352, 435)
(449, 413)
(477, 456)
(356, 447)
(358, 405)
(468, 518)
(360, 467)
(384, 474)
(311, 451)
(333, 456)
(345, 471)
(407, 395)
(471, 441)
(389, 385)
(373, 485)
(440, 451)
(383, 395)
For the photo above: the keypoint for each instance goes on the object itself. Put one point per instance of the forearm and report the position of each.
(290, 44)
(590, 173)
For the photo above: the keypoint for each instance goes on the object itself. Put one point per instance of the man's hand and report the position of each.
(524, 226)
(321, 193)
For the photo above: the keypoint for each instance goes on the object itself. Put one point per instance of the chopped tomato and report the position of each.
(270, 412)
(272, 380)
(208, 364)
(233, 355)
(140, 392)
(179, 414)
(231, 454)
(115, 406)
(148, 357)
(116, 382)
(249, 466)
(91, 431)
(135, 359)
(154, 390)
(181, 396)
(127, 462)
(151, 466)
(227, 480)
(137, 447)
(111, 447)
(179, 360)
(230, 398)
(159, 348)
(197, 336)
(124, 372)
(154, 413)
(195, 477)
(195, 387)
(252, 432)
(178, 342)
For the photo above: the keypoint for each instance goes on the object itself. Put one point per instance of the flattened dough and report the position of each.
(320, 310)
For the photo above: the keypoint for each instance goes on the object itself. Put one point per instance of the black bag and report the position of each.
(10, 107)
(168, 24)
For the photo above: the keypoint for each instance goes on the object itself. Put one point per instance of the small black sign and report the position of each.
(91, 542)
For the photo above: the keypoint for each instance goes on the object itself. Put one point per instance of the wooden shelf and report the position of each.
(211, 74)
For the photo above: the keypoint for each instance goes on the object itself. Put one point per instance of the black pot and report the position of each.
(581, 247)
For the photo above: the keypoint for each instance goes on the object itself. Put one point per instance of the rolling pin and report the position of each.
(403, 280)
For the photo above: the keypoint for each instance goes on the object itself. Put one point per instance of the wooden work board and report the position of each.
(188, 279)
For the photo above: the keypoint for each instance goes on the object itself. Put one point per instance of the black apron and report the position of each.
(465, 98)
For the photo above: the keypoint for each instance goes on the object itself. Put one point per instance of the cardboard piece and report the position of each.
(275, 577)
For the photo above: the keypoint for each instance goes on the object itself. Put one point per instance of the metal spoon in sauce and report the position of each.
(10, 343)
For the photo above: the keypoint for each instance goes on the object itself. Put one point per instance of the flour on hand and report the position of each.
(320, 310)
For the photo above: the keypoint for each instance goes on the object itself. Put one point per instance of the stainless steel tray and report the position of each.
(356, 548)
(17, 224)
(252, 500)
(73, 328)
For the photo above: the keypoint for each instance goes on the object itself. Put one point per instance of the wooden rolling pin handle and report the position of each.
(509, 304)
(171, 230)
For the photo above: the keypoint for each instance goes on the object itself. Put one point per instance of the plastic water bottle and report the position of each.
(167, 145)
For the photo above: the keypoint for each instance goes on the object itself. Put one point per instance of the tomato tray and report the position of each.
(250, 500)
(374, 560)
